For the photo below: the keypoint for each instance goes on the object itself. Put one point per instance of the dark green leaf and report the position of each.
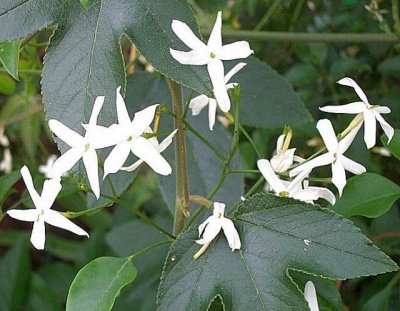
(7, 84)
(40, 298)
(301, 74)
(96, 286)
(6, 183)
(278, 235)
(346, 66)
(390, 67)
(379, 301)
(394, 145)
(15, 272)
(9, 57)
(368, 195)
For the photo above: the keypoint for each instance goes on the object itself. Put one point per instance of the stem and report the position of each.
(182, 183)
(246, 134)
(88, 211)
(294, 37)
(201, 200)
(138, 213)
(144, 250)
(36, 72)
(268, 15)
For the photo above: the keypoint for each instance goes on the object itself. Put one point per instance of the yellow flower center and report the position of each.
(87, 146)
(212, 55)
(129, 138)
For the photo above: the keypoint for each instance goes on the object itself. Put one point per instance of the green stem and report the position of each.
(144, 250)
(88, 211)
(201, 200)
(295, 37)
(142, 215)
(36, 72)
(182, 183)
(268, 15)
(295, 16)
(246, 134)
(114, 193)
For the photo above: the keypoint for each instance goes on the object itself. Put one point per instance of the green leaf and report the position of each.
(347, 66)
(301, 74)
(15, 271)
(7, 84)
(261, 89)
(394, 145)
(96, 286)
(6, 183)
(40, 298)
(379, 301)
(9, 57)
(368, 194)
(390, 67)
(278, 235)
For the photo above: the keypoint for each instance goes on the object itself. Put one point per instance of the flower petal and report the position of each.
(215, 41)
(64, 133)
(92, 170)
(194, 57)
(55, 219)
(51, 188)
(143, 119)
(27, 177)
(186, 35)
(167, 141)
(283, 160)
(389, 131)
(352, 108)
(235, 50)
(198, 103)
(101, 137)
(204, 224)
(352, 166)
(321, 160)
(98, 103)
(212, 111)
(216, 72)
(211, 231)
(346, 141)
(117, 158)
(218, 209)
(143, 149)
(231, 234)
(67, 161)
(381, 109)
(24, 214)
(122, 112)
(350, 82)
(233, 71)
(38, 236)
(369, 128)
(311, 296)
(132, 167)
(266, 170)
(325, 128)
(338, 176)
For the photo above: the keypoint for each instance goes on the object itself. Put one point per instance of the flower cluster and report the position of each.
(336, 146)
(126, 136)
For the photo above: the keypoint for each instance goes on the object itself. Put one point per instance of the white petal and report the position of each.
(231, 234)
(233, 71)
(24, 214)
(101, 137)
(67, 160)
(235, 50)
(194, 57)
(311, 296)
(51, 188)
(64, 133)
(325, 128)
(216, 72)
(26, 176)
(295, 184)
(92, 170)
(143, 149)
(326, 194)
(279, 143)
(198, 103)
(187, 36)
(306, 195)
(211, 231)
(204, 224)
(345, 143)
(132, 167)
(167, 141)
(389, 131)
(266, 170)
(352, 166)
(143, 119)
(381, 109)
(369, 128)
(215, 40)
(282, 161)
(352, 108)
(116, 158)
(321, 160)
(212, 111)
(338, 176)
(350, 82)
(122, 112)
(57, 220)
(96, 110)
(218, 209)
(38, 236)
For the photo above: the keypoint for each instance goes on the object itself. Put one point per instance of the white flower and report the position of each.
(130, 140)
(96, 137)
(3, 138)
(6, 164)
(334, 156)
(211, 55)
(310, 295)
(294, 188)
(47, 169)
(198, 103)
(160, 147)
(42, 212)
(284, 157)
(213, 225)
(371, 113)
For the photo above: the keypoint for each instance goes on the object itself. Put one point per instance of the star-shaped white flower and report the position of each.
(130, 140)
(294, 188)
(310, 294)
(371, 113)
(334, 156)
(42, 212)
(160, 147)
(199, 102)
(96, 137)
(213, 225)
(211, 55)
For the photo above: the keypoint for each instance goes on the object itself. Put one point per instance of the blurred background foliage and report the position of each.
(40, 280)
